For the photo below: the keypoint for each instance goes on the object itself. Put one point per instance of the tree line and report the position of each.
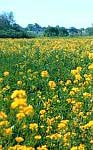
(10, 29)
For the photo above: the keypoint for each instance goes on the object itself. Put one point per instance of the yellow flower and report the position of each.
(90, 55)
(79, 69)
(74, 72)
(33, 126)
(74, 148)
(19, 116)
(18, 94)
(48, 129)
(75, 89)
(65, 89)
(90, 124)
(78, 77)
(19, 82)
(44, 74)
(8, 131)
(68, 82)
(4, 123)
(20, 147)
(71, 93)
(50, 121)
(14, 105)
(42, 112)
(37, 137)
(6, 73)
(43, 147)
(1, 148)
(90, 66)
(24, 126)
(91, 141)
(52, 84)
(62, 124)
(75, 81)
(81, 147)
(1, 80)
(18, 102)
(87, 94)
(3, 115)
(28, 110)
(19, 139)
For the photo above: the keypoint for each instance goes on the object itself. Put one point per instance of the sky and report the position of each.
(67, 13)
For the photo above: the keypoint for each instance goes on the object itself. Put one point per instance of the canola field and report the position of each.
(46, 94)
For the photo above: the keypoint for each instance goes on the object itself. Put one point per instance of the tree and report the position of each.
(51, 31)
(17, 27)
(89, 31)
(73, 31)
(63, 31)
(6, 20)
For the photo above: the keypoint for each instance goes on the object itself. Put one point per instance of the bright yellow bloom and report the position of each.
(42, 112)
(50, 121)
(18, 94)
(1, 80)
(74, 72)
(54, 136)
(19, 82)
(6, 73)
(28, 110)
(20, 147)
(79, 69)
(33, 126)
(1, 148)
(90, 55)
(91, 141)
(3, 115)
(78, 77)
(52, 84)
(19, 139)
(74, 148)
(87, 94)
(90, 124)
(65, 89)
(19, 116)
(44, 74)
(18, 102)
(62, 124)
(75, 89)
(68, 82)
(81, 147)
(8, 131)
(4, 123)
(90, 66)
(43, 147)
(37, 137)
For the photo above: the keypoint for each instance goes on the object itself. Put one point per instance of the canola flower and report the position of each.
(6, 73)
(46, 96)
(52, 84)
(44, 74)
(19, 139)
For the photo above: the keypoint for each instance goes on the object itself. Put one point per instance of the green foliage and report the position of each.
(89, 31)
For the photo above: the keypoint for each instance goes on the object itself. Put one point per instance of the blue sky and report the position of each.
(78, 13)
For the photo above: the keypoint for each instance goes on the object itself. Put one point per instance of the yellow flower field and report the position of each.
(46, 94)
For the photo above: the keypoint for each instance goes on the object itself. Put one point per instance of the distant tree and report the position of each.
(73, 31)
(34, 28)
(17, 27)
(89, 31)
(30, 27)
(51, 31)
(81, 31)
(6, 20)
(63, 31)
